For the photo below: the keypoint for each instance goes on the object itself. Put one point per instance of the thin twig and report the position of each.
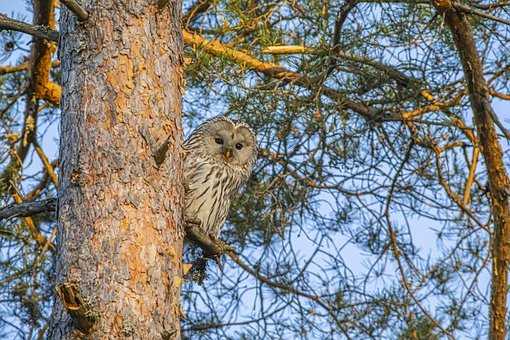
(471, 176)
(198, 8)
(46, 162)
(498, 123)
(216, 248)
(395, 248)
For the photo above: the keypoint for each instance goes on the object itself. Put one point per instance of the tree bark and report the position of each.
(499, 183)
(119, 213)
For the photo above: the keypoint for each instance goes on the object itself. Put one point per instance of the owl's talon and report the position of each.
(224, 246)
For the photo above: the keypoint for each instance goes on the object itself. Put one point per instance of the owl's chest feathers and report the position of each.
(209, 189)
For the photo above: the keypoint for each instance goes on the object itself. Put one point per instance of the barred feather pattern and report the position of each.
(210, 185)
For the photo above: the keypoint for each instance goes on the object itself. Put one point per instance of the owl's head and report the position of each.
(229, 142)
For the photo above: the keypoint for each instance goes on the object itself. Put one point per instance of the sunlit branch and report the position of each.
(216, 48)
(434, 106)
(500, 95)
(276, 71)
(22, 67)
(288, 49)
(336, 53)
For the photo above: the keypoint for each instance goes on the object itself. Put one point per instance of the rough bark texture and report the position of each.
(499, 183)
(120, 232)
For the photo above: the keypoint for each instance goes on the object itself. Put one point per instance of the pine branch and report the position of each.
(276, 71)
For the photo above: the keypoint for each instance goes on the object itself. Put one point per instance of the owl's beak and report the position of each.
(228, 154)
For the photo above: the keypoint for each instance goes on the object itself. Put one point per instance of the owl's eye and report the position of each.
(218, 140)
(239, 146)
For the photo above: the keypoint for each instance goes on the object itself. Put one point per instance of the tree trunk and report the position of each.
(499, 183)
(119, 211)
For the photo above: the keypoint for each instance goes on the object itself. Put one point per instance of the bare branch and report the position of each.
(38, 31)
(75, 7)
(28, 208)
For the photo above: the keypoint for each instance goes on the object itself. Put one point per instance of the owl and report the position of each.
(218, 160)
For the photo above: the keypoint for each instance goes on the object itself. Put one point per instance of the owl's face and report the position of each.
(230, 143)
